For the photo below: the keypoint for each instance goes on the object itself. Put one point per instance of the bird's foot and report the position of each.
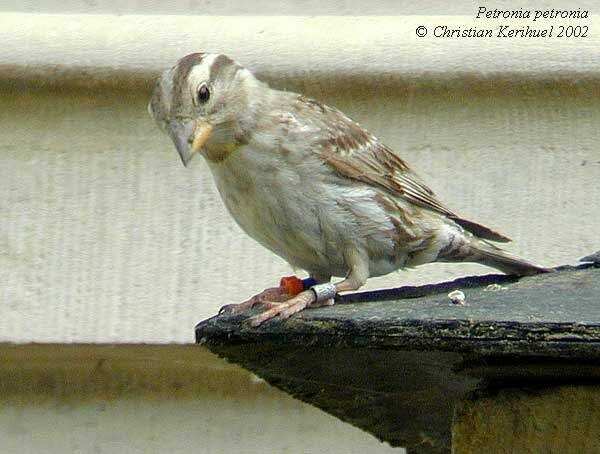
(285, 309)
(267, 298)
(317, 296)
(284, 301)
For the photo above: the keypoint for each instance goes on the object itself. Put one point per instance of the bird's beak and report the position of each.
(189, 137)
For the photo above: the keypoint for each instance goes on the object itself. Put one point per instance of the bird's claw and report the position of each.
(265, 298)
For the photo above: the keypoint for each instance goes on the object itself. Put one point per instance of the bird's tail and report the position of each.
(490, 255)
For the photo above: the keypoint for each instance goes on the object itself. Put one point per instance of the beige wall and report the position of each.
(155, 426)
(155, 399)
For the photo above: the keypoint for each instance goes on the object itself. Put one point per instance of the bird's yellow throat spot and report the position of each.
(201, 136)
(213, 152)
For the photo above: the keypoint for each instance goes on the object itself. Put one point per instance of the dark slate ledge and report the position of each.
(397, 363)
(547, 315)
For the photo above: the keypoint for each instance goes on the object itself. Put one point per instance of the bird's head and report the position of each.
(204, 104)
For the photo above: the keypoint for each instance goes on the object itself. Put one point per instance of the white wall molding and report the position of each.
(92, 49)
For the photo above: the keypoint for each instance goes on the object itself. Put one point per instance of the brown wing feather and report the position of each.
(357, 154)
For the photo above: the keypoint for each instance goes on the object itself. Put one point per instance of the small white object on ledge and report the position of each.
(457, 297)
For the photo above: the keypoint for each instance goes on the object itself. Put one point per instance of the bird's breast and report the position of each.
(269, 200)
(305, 214)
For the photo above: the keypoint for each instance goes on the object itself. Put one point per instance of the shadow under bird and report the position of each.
(312, 185)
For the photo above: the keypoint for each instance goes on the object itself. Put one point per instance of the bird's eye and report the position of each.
(203, 94)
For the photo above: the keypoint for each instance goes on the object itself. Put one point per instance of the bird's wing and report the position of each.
(357, 154)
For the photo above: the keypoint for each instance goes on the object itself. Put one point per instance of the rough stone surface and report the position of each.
(397, 364)
(549, 315)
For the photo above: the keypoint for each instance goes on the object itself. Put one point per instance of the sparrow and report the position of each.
(312, 185)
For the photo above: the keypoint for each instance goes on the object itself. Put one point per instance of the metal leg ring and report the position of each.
(324, 292)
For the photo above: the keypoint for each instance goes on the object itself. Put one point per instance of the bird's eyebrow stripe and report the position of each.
(184, 66)
(221, 62)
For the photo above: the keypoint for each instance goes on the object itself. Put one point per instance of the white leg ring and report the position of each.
(324, 292)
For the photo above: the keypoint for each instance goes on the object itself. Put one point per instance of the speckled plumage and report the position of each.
(312, 185)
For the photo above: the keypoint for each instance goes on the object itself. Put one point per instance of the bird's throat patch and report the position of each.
(220, 152)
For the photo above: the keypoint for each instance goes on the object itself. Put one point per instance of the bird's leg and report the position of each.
(356, 279)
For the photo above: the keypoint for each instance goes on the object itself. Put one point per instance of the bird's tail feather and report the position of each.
(490, 255)
(480, 230)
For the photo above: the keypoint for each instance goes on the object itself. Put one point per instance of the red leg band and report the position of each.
(292, 285)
